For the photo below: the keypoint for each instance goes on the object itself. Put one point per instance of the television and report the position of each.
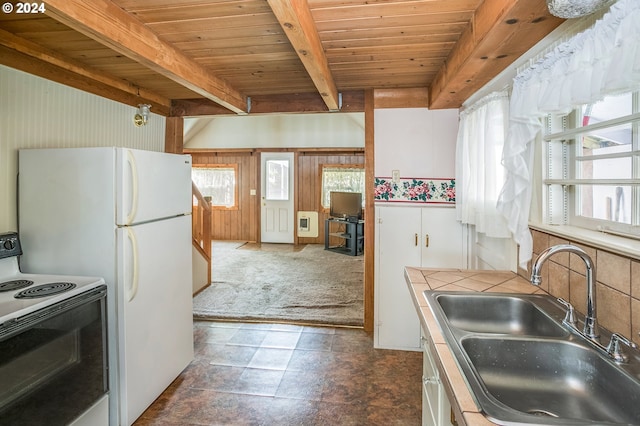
(345, 205)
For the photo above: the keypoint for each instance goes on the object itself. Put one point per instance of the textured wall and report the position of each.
(38, 113)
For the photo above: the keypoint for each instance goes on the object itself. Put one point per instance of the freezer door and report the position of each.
(151, 185)
(67, 211)
(155, 322)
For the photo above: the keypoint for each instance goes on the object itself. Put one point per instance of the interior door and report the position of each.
(277, 215)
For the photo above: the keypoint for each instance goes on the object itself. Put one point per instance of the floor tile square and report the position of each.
(315, 341)
(257, 381)
(238, 356)
(281, 339)
(248, 337)
(271, 358)
(301, 385)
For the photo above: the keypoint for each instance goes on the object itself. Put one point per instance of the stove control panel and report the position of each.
(10, 245)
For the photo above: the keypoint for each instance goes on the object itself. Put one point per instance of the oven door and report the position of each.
(53, 364)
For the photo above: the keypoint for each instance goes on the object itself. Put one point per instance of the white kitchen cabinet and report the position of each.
(442, 242)
(436, 408)
(396, 324)
(409, 236)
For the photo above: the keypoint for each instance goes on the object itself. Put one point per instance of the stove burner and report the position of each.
(44, 290)
(14, 285)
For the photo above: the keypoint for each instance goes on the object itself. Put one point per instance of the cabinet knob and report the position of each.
(426, 240)
(416, 243)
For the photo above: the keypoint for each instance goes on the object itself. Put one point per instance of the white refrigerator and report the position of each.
(124, 215)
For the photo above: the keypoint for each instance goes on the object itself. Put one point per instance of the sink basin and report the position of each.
(497, 314)
(524, 366)
(554, 379)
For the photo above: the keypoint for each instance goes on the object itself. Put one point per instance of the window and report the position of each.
(348, 178)
(593, 166)
(217, 181)
(277, 187)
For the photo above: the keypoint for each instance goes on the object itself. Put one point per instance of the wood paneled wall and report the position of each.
(243, 224)
(240, 224)
(309, 183)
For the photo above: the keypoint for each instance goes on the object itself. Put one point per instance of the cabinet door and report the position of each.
(436, 408)
(441, 238)
(430, 388)
(397, 245)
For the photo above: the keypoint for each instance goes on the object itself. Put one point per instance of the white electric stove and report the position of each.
(53, 345)
(22, 294)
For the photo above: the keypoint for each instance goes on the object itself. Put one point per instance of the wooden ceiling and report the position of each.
(244, 56)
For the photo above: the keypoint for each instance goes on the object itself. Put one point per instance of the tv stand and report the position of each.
(352, 234)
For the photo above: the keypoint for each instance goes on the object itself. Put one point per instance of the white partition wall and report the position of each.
(412, 143)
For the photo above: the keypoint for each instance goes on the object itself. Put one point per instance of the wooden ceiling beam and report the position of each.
(103, 84)
(401, 98)
(105, 22)
(31, 65)
(352, 101)
(499, 33)
(298, 24)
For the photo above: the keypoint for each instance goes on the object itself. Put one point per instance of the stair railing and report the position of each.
(201, 221)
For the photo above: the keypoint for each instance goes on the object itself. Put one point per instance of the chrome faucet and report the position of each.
(590, 324)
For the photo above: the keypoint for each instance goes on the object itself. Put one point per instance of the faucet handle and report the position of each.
(570, 316)
(614, 349)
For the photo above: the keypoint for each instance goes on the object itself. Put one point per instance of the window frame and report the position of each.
(324, 208)
(561, 178)
(236, 200)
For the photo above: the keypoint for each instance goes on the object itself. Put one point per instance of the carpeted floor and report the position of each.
(279, 282)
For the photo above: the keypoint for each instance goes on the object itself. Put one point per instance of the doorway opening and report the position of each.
(345, 134)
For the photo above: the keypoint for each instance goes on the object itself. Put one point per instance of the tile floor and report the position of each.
(274, 374)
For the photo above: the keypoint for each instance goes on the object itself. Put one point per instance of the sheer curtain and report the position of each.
(479, 173)
(603, 60)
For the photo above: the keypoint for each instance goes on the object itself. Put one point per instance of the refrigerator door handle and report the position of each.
(133, 289)
(134, 187)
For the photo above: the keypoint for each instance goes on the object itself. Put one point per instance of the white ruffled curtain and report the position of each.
(479, 174)
(603, 60)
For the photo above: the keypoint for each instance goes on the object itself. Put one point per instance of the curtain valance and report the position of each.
(603, 60)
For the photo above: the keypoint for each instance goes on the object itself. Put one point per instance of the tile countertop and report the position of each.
(421, 279)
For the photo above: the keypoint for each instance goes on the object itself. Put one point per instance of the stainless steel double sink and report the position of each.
(524, 366)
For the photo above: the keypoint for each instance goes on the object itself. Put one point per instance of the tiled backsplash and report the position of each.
(617, 286)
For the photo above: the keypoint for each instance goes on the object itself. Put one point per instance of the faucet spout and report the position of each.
(590, 322)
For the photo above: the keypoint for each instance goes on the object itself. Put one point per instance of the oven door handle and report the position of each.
(133, 288)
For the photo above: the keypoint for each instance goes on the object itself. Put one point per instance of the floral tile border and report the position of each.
(416, 190)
